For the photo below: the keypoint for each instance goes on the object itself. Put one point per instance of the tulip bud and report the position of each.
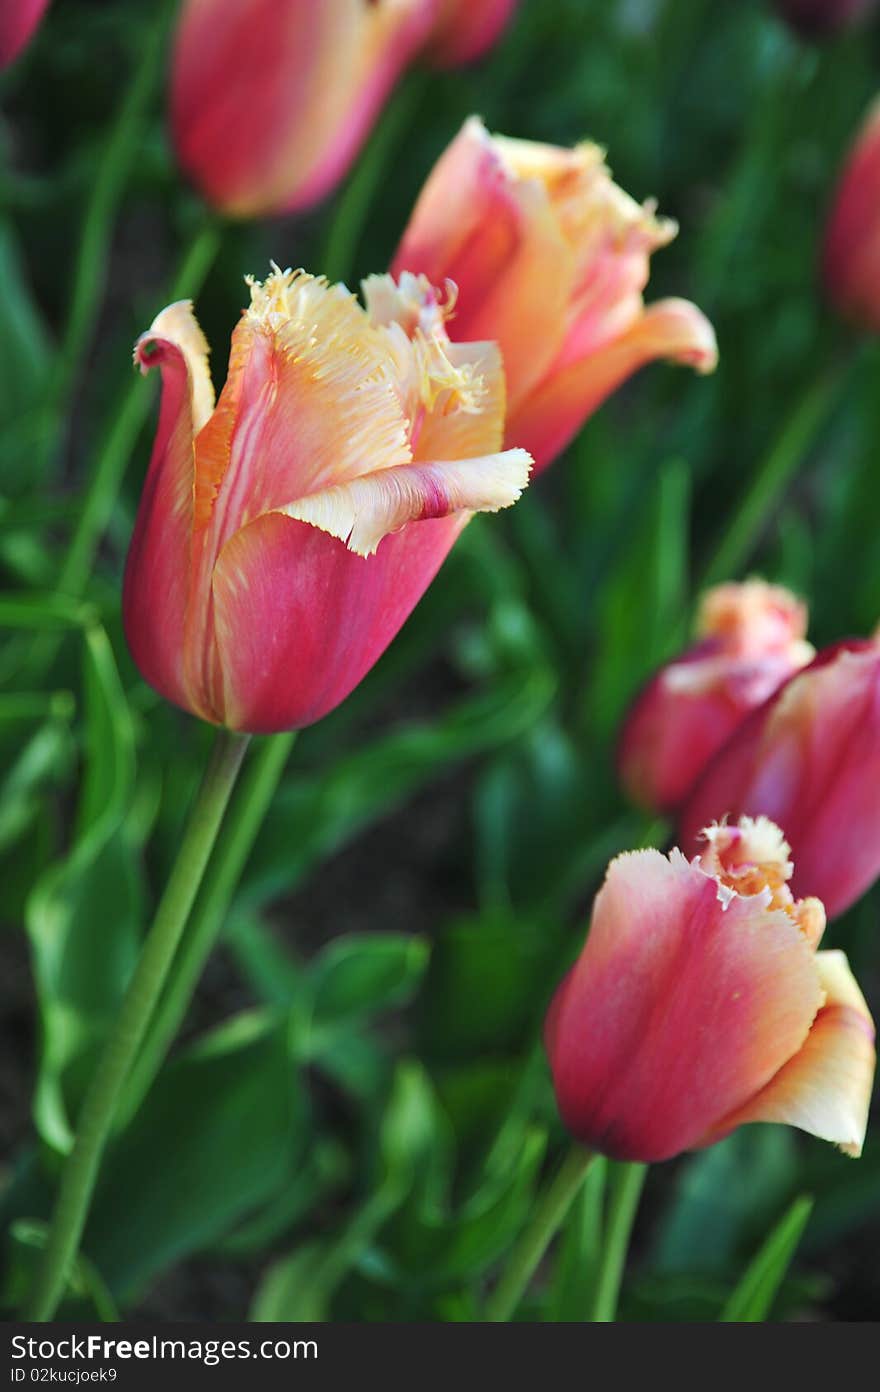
(699, 1003)
(285, 535)
(750, 639)
(550, 258)
(809, 758)
(818, 19)
(464, 31)
(18, 20)
(851, 254)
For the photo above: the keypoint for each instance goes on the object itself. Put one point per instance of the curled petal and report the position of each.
(826, 1088)
(684, 1002)
(547, 419)
(362, 512)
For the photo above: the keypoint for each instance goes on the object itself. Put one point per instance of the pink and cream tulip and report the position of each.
(809, 758)
(851, 253)
(285, 534)
(750, 638)
(18, 21)
(550, 259)
(699, 1003)
(820, 19)
(464, 31)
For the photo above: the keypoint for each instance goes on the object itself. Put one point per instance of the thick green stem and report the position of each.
(240, 829)
(627, 1182)
(120, 1050)
(549, 1214)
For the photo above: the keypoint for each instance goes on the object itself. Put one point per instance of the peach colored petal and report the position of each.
(826, 1088)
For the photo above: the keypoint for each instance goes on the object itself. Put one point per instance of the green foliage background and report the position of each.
(357, 1117)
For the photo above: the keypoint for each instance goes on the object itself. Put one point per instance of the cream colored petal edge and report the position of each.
(365, 510)
(177, 324)
(826, 1088)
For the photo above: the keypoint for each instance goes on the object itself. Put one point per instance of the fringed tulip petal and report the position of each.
(18, 21)
(826, 1088)
(300, 619)
(157, 574)
(362, 512)
(548, 418)
(686, 1000)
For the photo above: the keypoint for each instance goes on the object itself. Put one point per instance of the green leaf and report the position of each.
(86, 1296)
(222, 1131)
(364, 973)
(753, 1297)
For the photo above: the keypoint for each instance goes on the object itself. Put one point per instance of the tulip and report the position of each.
(464, 30)
(699, 1003)
(818, 19)
(18, 20)
(550, 259)
(750, 639)
(285, 535)
(809, 758)
(851, 254)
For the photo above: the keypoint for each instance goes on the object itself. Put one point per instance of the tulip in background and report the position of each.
(550, 259)
(284, 536)
(699, 1003)
(271, 100)
(751, 637)
(851, 253)
(809, 759)
(18, 20)
(818, 19)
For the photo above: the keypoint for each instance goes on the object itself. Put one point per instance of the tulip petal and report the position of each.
(549, 417)
(362, 512)
(157, 573)
(299, 619)
(826, 1088)
(465, 31)
(684, 1003)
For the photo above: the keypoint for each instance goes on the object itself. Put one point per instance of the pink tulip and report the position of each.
(464, 30)
(699, 1003)
(285, 534)
(18, 20)
(809, 759)
(819, 19)
(751, 638)
(550, 259)
(851, 255)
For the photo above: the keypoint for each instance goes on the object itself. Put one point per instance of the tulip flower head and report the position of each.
(699, 1003)
(464, 30)
(18, 20)
(809, 758)
(851, 253)
(285, 534)
(750, 638)
(820, 19)
(550, 258)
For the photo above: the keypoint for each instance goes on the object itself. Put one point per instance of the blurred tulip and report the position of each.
(751, 638)
(699, 1003)
(818, 19)
(285, 535)
(809, 759)
(18, 20)
(851, 255)
(464, 30)
(550, 258)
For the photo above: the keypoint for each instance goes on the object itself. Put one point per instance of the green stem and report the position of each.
(124, 429)
(120, 1050)
(549, 1214)
(90, 270)
(773, 475)
(240, 829)
(627, 1181)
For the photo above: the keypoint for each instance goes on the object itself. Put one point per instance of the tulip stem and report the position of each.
(627, 1181)
(550, 1212)
(235, 842)
(121, 1047)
